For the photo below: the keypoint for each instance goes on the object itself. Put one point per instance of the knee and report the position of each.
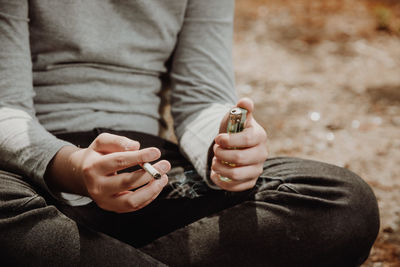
(353, 218)
(339, 188)
(360, 214)
(32, 232)
(336, 204)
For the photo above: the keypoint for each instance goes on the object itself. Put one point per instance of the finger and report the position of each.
(110, 163)
(132, 201)
(128, 181)
(241, 157)
(240, 173)
(249, 137)
(234, 186)
(246, 103)
(108, 143)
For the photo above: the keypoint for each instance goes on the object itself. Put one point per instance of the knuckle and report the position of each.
(132, 205)
(126, 181)
(120, 161)
(99, 140)
(213, 166)
(266, 155)
(264, 135)
(94, 191)
(253, 183)
(103, 136)
(240, 159)
(96, 142)
(217, 151)
(247, 139)
(87, 170)
(260, 171)
(215, 148)
(235, 174)
(224, 142)
(141, 155)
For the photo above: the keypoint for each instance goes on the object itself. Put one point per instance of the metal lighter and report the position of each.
(237, 118)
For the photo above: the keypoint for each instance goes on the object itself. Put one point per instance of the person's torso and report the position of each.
(99, 63)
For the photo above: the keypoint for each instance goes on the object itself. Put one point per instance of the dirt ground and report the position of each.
(325, 77)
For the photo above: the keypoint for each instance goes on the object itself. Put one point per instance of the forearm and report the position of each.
(202, 79)
(26, 147)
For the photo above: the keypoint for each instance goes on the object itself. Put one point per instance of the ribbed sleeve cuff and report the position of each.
(199, 135)
(27, 148)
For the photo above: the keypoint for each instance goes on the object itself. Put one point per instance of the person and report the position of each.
(80, 99)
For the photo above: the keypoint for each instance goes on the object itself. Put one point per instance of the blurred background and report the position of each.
(325, 77)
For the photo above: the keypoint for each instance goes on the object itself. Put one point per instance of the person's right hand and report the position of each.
(92, 171)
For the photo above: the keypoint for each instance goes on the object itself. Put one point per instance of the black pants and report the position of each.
(300, 213)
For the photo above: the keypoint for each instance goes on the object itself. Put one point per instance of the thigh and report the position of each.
(34, 232)
(301, 213)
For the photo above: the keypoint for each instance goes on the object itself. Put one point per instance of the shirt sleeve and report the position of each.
(202, 78)
(26, 147)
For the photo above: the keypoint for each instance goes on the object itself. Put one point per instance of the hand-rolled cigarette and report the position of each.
(151, 170)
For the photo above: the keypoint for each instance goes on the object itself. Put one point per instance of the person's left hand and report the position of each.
(244, 164)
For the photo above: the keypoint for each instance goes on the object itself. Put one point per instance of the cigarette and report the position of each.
(151, 170)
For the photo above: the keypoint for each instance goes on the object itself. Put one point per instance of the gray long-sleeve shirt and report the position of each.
(76, 65)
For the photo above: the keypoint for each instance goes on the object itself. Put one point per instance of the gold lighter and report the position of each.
(237, 118)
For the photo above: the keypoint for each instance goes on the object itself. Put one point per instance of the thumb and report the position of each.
(247, 104)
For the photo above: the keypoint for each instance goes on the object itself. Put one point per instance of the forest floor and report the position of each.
(325, 78)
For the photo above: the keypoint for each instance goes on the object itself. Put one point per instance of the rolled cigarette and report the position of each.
(151, 170)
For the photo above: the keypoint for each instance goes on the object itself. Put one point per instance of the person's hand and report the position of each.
(93, 171)
(243, 165)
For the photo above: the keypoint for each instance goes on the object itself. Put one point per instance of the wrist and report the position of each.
(61, 173)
